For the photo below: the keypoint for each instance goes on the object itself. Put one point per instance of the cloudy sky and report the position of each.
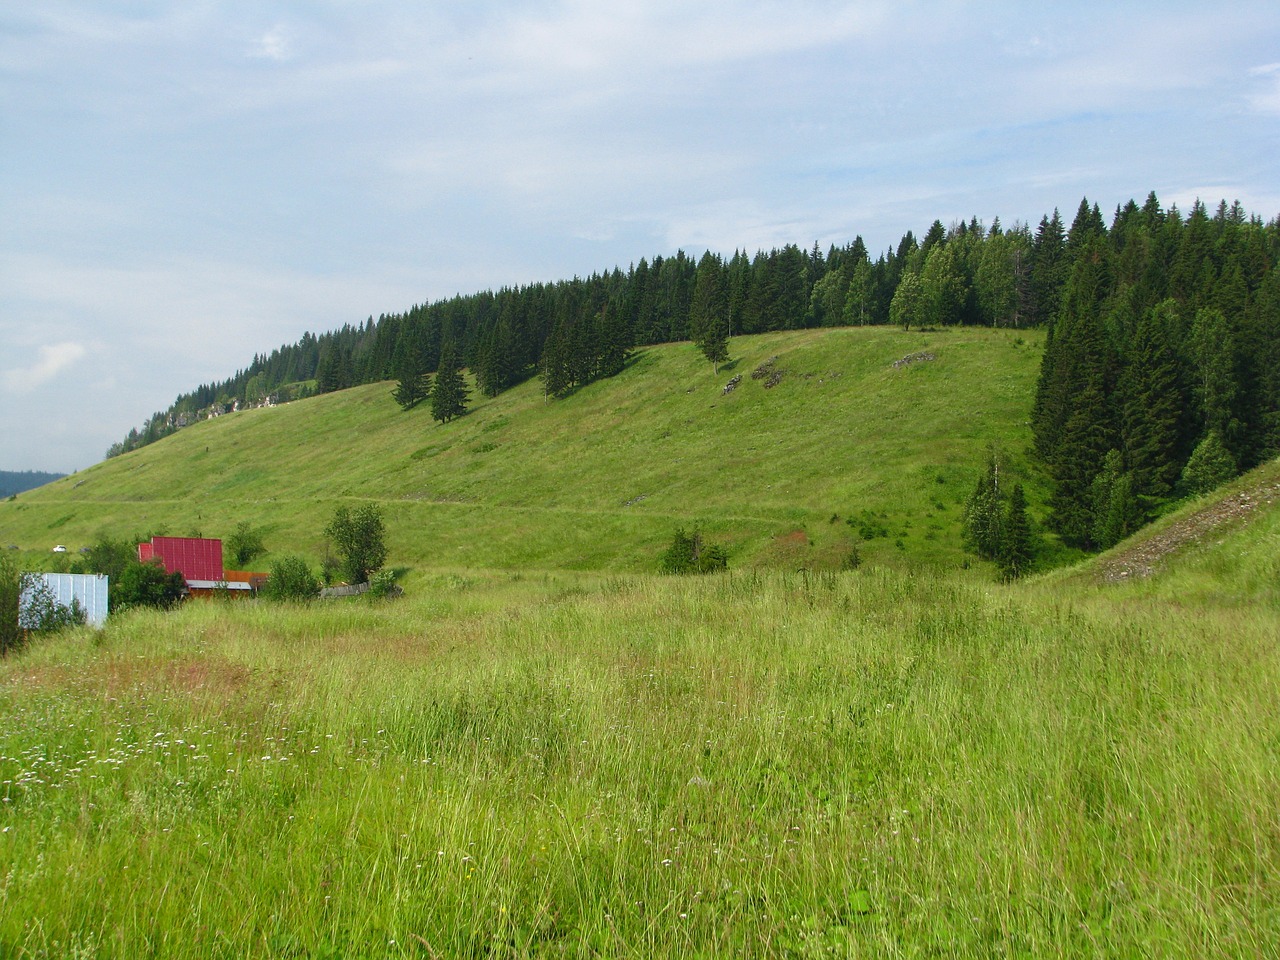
(185, 183)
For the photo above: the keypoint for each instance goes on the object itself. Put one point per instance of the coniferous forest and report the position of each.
(1160, 377)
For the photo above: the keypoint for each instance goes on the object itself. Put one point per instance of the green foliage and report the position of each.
(10, 593)
(146, 585)
(1116, 511)
(41, 611)
(688, 554)
(1017, 544)
(909, 307)
(359, 536)
(709, 310)
(449, 395)
(244, 543)
(1210, 466)
(997, 527)
(290, 580)
(984, 513)
(382, 585)
(868, 524)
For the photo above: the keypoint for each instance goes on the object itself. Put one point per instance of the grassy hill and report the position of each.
(764, 763)
(600, 480)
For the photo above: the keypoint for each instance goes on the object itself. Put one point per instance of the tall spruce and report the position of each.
(1017, 548)
(449, 395)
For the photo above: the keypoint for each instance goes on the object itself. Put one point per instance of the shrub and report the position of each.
(360, 537)
(41, 612)
(688, 554)
(146, 585)
(291, 579)
(382, 585)
(244, 544)
(10, 591)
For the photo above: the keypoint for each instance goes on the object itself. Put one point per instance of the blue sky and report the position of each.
(185, 184)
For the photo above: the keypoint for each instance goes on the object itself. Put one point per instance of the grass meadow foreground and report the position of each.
(865, 764)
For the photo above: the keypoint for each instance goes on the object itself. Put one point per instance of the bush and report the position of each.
(10, 591)
(244, 544)
(382, 585)
(291, 579)
(360, 537)
(41, 612)
(146, 585)
(688, 554)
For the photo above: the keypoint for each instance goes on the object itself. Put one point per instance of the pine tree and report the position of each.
(1153, 405)
(1017, 548)
(984, 513)
(709, 311)
(449, 395)
(1115, 507)
(414, 382)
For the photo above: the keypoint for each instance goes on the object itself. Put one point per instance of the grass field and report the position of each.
(544, 750)
(600, 480)
(757, 764)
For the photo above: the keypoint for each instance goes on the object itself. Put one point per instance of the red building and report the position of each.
(196, 558)
(199, 560)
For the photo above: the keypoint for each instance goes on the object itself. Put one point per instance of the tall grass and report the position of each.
(869, 764)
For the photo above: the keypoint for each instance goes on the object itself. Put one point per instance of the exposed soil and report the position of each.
(1142, 559)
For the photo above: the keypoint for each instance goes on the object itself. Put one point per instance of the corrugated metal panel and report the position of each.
(145, 552)
(196, 558)
(90, 589)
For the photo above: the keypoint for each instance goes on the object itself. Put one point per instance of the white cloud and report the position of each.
(53, 360)
(275, 44)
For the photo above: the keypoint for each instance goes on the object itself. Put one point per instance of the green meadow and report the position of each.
(559, 753)
(599, 481)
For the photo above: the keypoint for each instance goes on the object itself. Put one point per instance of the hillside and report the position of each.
(601, 479)
(1221, 548)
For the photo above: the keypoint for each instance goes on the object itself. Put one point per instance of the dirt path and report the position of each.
(1143, 558)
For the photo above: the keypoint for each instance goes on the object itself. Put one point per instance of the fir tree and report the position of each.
(1153, 405)
(1115, 508)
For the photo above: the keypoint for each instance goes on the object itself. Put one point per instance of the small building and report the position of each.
(87, 589)
(199, 560)
(196, 558)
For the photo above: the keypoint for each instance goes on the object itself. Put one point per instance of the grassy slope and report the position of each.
(522, 484)
(757, 764)
(1222, 549)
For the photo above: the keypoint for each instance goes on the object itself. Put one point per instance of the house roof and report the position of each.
(196, 558)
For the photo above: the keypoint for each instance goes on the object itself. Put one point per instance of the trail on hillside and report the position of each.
(1143, 558)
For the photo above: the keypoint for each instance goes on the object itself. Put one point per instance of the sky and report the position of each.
(187, 183)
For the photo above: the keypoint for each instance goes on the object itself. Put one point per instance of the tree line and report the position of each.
(1161, 372)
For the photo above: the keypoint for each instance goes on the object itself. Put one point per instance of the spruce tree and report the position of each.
(984, 513)
(1153, 405)
(449, 395)
(413, 381)
(1016, 548)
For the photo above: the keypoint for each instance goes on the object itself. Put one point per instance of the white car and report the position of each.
(59, 549)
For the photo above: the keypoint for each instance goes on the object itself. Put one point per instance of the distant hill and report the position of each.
(13, 481)
(830, 438)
